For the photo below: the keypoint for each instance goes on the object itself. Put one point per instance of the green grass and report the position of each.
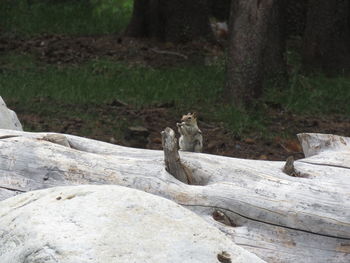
(312, 94)
(238, 121)
(102, 80)
(23, 79)
(60, 17)
(318, 94)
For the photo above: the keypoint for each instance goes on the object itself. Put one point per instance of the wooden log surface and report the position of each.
(279, 217)
(172, 160)
(8, 118)
(108, 224)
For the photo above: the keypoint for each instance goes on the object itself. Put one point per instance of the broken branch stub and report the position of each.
(172, 158)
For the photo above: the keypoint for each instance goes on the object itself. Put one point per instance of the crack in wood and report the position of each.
(321, 164)
(264, 222)
(8, 136)
(12, 189)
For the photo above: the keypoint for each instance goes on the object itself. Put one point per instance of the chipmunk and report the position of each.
(220, 30)
(191, 139)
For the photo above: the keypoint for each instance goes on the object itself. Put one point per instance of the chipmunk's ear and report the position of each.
(194, 114)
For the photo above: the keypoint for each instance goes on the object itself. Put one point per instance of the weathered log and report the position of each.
(107, 224)
(8, 118)
(280, 218)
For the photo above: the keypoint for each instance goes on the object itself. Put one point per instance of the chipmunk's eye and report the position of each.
(189, 118)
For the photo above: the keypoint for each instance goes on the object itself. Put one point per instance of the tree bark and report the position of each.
(171, 20)
(274, 60)
(327, 36)
(296, 17)
(278, 217)
(256, 49)
(220, 9)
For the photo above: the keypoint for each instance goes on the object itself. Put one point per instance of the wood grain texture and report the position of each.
(280, 218)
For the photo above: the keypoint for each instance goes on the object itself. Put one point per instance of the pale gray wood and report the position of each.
(172, 159)
(108, 224)
(273, 242)
(314, 143)
(8, 118)
(307, 209)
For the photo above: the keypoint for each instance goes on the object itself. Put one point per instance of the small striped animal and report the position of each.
(191, 138)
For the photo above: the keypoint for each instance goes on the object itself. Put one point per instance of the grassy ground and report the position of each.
(312, 94)
(192, 87)
(77, 17)
(37, 87)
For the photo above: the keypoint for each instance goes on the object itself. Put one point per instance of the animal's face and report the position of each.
(190, 118)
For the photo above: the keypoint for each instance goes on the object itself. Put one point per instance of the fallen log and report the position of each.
(107, 224)
(278, 217)
(8, 118)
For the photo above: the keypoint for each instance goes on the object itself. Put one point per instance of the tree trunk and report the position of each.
(296, 17)
(171, 20)
(256, 49)
(327, 39)
(220, 9)
(278, 217)
(274, 60)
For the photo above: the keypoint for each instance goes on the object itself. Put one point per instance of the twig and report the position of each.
(165, 52)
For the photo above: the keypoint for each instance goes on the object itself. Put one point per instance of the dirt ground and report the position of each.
(217, 140)
(57, 49)
(60, 49)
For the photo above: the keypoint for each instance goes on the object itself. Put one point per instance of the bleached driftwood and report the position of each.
(107, 224)
(278, 217)
(8, 118)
